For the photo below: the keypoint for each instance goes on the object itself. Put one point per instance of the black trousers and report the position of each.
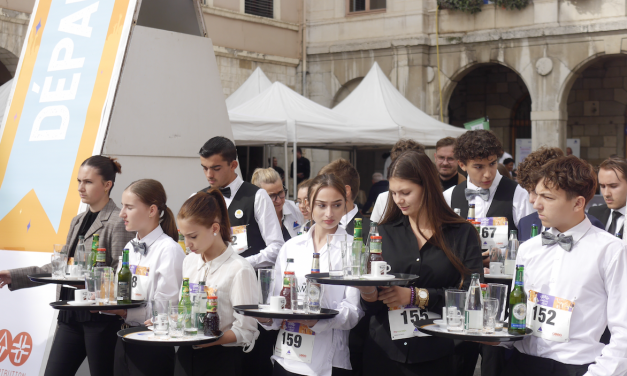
(377, 363)
(209, 361)
(466, 356)
(526, 365)
(76, 340)
(280, 371)
(257, 362)
(134, 360)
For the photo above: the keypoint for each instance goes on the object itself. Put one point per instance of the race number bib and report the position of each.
(295, 342)
(239, 240)
(549, 316)
(139, 282)
(493, 232)
(402, 321)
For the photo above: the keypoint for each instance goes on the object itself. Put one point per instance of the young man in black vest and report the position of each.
(478, 153)
(248, 206)
(349, 175)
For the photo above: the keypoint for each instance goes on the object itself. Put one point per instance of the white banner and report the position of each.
(25, 319)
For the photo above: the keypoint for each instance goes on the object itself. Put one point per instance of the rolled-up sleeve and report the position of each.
(244, 292)
(349, 313)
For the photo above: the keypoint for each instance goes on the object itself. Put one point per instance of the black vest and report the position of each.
(350, 226)
(244, 200)
(502, 204)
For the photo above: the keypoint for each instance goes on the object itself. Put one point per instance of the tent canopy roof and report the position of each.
(255, 84)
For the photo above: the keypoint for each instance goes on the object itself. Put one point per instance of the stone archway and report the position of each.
(345, 90)
(491, 90)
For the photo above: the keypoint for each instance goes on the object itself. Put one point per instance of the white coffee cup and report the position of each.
(80, 295)
(277, 303)
(378, 268)
(496, 268)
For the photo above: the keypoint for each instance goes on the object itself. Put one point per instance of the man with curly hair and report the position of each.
(478, 153)
(578, 265)
(526, 169)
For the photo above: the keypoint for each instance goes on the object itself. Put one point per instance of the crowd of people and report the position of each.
(420, 208)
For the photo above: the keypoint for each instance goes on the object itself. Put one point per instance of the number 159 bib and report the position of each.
(549, 316)
(295, 342)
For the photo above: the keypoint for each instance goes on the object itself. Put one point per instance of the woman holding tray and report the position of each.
(204, 221)
(423, 236)
(81, 334)
(324, 343)
(156, 261)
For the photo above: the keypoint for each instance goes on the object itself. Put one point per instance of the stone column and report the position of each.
(548, 128)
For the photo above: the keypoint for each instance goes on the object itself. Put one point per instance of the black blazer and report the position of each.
(602, 212)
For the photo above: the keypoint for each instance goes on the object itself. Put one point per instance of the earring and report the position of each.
(215, 234)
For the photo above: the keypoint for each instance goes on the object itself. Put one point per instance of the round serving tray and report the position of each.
(47, 278)
(63, 305)
(400, 279)
(144, 336)
(428, 327)
(253, 310)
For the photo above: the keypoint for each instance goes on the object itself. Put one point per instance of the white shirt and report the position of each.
(348, 217)
(522, 207)
(270, 229)
(236, 282)
(293, 219)
(164, 258)
(331, 338)
(619, 222)
(505, 156)
(379, 207)
(593, 275)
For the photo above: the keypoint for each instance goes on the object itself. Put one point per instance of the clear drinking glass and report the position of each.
(499, 292)
(176, 322)
(351, 258)
(265, 282)
(455, 301)
(90, 285)
(496, 260)
(490, 307)
(335, 255)
(59, 263)
(159, 319)
(104, 279)
(188, 313)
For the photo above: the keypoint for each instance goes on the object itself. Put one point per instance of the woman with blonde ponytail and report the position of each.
(156, 261)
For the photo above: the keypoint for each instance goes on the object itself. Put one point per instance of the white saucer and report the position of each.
(440, 323)
(378, 277)
(266, 308)
(80, 302)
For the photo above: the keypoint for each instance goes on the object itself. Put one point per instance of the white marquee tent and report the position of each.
(376, 107)
(253, 86)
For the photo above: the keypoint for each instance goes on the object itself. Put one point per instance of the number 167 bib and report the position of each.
(549, 316)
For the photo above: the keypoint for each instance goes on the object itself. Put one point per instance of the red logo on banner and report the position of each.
(5, 344)
(21, 349)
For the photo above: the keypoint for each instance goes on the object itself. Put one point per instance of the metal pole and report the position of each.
(287, 169)
(247, 162)
(295, 170)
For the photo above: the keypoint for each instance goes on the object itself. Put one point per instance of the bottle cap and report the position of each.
(289, 273)
(101, 249)
(290, 260)
(376, 237)
(316, 254)
(81, 237)
(483, 285)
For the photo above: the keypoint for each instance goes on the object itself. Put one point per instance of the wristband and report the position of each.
(412, 299)
(371, 292)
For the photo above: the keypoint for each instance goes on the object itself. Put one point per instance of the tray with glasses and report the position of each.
(439, 329)
(48, 278)
(92, 305)
(267, 311)
(143, 336)
(391, 279)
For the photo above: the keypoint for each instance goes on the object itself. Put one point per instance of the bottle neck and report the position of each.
(519, 277)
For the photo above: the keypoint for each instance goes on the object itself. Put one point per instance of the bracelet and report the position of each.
(412, 299)
(374, 289)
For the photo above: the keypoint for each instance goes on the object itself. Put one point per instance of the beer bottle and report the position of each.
(95, 243)
(376, 250)
(212, 319)
(314, 288)
(125, 278)
(518, 304)
(474, 306)
(101, 258)
(182, 242)
(471, 212)
(185, 304)
(534, 230)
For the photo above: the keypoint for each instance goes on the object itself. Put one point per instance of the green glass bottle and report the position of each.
(95, 243)
(125, 278)
(101, 258)
(534, 230)
(185, 305)
(518, 304)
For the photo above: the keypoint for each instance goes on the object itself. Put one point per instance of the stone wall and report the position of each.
(596, 109)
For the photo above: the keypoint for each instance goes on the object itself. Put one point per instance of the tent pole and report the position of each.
(263, 161)
(355, 157)
(287, 176)
(247, 161)
(295, 164)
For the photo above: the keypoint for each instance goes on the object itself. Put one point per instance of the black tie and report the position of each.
(226, 192)
(615, 215)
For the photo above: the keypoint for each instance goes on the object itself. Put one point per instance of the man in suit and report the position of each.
(613, 184)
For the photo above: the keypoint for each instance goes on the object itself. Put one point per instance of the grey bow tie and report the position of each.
(139, 247)
(565, 242)
(472, 193)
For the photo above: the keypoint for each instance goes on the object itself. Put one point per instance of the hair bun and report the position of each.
(117, 167)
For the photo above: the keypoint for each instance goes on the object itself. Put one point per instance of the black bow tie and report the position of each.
(139, 247)
(226, 192)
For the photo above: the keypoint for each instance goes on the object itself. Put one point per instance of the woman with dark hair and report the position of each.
(204, 221)
(328, 354)
(156, 261)
(421, 235)
(81, 334)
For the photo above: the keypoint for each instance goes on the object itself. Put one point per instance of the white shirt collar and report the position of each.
(152, 237)
(350, 215)
(215, 264)
(309, 237)
(493, 187)
(621, 210)
(234, 185)
(576, 232)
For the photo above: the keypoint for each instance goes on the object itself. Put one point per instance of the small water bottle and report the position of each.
(474, 306)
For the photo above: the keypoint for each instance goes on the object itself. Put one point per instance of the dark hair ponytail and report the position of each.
(151, 192)
(107, 167)
(206, 209)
